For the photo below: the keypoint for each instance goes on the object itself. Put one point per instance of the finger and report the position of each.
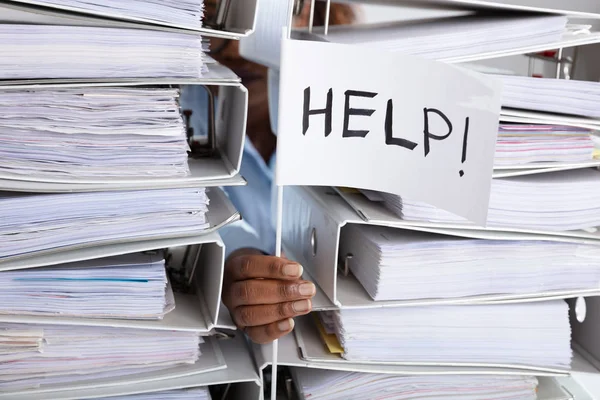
(268, 333)
(257, 266)
(246, 316)
(267, 291)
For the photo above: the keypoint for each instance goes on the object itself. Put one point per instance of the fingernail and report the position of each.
(301, 306)
(286, 325)
(294, 270)
(307, 289)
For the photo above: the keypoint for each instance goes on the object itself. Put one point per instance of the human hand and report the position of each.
(264, 294)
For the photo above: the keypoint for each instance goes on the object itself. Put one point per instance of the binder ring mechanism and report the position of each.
(208, 146)
(221, 15)
(344, 265)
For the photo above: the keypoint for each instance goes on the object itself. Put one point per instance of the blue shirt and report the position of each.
(257, 229)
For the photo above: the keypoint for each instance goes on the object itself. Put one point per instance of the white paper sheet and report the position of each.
(181, 394)
(92, 133)
(93, 353)
(30, 223)
(132, 286)
(171, 12)
(396, 264)
(562, 96)
(388, 102)
(558, 201)
(530, 334)
(456, 37)
(316, 384)
(47, 51)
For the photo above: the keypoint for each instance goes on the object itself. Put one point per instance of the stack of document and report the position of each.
(181, 394)
(52, 51)
(31, 223)
(535, 335)
(317, 384)
(456, 37)
(396, 264)
(184, 13)
(561, 96)
(92, 132)
(34, 355)
(132, 286)
(519, 145)
(558, 201)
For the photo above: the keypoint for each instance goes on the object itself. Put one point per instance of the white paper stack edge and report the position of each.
(451, 335)
(107, 312)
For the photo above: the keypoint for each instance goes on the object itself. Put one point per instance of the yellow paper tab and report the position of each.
(349, 190)
(331, 341)
(597, 153)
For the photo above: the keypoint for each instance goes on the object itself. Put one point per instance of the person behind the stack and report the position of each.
(262, 292)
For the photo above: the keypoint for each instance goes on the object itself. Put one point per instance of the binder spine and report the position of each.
(311, 236)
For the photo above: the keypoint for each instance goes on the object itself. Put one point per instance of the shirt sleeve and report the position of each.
(240, 235)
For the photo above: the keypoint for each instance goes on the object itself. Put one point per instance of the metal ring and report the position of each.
(298, 7)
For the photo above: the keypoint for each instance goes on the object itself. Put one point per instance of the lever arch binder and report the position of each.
(338, 385)
(313, 239)
(240, 370)
(211, 363)
(577, 8)
(197, 312)
(218, 168)
(236, 20)
(294, 348)
(463, 38)
(220, 213)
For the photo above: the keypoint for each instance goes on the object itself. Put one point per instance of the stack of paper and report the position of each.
(454, 37)
(186, 13)
(34, 355)
(132, 286)
(520, 145)
(317, 384)
(30, 223)
(533, 335)
(52, 51)
(182, 394)
(92, 132)
(559, 201)
(560, 96)
(396, 264)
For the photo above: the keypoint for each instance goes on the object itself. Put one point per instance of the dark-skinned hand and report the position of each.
(264, 294)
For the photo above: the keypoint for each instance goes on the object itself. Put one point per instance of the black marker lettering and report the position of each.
(308, 112)
(389, 130)
(429, 135)
(464, 149)
(355, 111)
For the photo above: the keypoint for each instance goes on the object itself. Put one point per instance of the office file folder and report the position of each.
(132, 286)
(237, 18)
(461, 39)
(576, 9)
(561, 202)
(61, 52)
(198, 393)
(337, 385)
(528, 149)
(196, 310)
(396, 264)
(293, 350)
(570, 97)
(240, 371)
(317, 217)
(219, 167)
(534, 336)
(38, 223)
